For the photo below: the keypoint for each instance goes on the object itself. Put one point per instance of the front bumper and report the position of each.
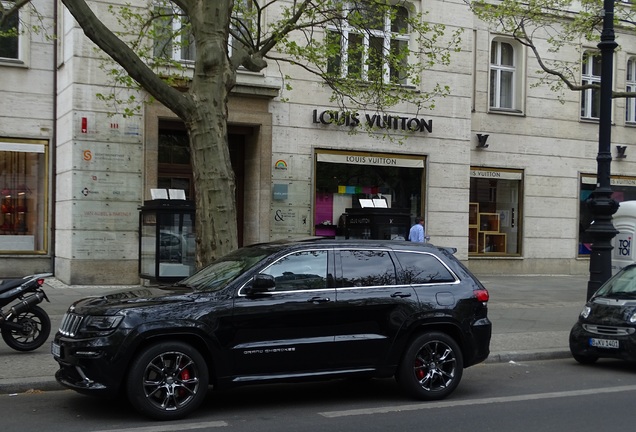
(89, 367)
(580, 345)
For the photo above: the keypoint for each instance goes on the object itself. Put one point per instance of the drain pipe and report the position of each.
(53, 147)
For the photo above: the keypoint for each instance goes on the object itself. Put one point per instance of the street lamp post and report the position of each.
(600, 202)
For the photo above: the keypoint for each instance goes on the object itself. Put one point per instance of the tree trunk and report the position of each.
(214, 77)
(216, 229)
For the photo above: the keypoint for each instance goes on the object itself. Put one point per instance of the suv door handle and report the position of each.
(318, 300)
(400, 294)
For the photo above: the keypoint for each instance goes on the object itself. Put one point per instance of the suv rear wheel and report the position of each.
(168, 380)
(432, 367)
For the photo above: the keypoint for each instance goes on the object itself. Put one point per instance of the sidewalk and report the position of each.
(531, 316)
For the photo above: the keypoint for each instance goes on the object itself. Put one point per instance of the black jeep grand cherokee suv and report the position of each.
(281, 311)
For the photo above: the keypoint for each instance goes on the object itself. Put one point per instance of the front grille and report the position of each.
(608, 330)
(70, 324)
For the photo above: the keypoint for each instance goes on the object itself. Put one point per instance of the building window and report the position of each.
(506, 79)
(173, 35)
(367, 195)
(241, 24)
(22, 193)
(630, 113)
(377, 53)
(591, 74)
(174, 169)
(10, 40)
(494, 212)
(623, 189)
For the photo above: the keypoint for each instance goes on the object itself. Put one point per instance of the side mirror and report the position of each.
(262, 283)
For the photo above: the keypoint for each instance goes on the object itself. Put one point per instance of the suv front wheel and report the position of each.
(432, 367)
(168, 380)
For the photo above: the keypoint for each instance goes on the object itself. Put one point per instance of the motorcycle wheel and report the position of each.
(35, 329)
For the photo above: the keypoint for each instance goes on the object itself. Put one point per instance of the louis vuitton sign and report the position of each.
(372, 121)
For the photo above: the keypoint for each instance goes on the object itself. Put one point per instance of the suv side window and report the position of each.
(422, 268)
(363, 268)
(305, 270)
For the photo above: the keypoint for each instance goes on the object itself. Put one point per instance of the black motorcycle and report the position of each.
(25, 326)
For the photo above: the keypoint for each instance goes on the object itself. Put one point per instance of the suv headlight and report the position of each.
(102, 325)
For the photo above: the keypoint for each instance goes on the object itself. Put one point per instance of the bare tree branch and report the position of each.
(180, 103)
(5, 12)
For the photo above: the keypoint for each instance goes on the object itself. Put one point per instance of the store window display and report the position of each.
(22, 209)
(623, 189)
(494, 212)
(367, 195)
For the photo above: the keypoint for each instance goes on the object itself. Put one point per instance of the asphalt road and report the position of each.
(551, 395)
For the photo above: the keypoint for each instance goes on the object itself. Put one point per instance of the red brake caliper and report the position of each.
(419, 371)
(184, 375)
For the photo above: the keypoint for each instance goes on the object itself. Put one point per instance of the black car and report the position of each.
(606, 327)
(281, 311)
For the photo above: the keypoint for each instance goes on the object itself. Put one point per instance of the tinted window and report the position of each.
(300, 271)
(621, 285)
(366, 268)
(420, 268)
(224, 270)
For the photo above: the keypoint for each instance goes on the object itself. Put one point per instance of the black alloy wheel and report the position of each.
(168, 380)
(34, 329)
(432, 367)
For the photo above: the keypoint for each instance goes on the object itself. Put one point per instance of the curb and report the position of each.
(517, 356)
(29, 385)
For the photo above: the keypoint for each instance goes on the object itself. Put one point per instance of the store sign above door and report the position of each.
(356, 159)
(373, 121)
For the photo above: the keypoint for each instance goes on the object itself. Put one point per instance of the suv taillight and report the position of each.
(482, 295)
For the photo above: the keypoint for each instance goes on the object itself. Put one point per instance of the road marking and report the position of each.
(171, 427)
(447, 404)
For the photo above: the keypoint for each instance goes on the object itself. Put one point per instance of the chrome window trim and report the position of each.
(452, 273)
(373, 287)
(457, 280)
(287, 292)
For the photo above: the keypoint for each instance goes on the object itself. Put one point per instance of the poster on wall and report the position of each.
(102, 156)
(88, 215)
(102, 126)
(106, 186)
(292, 221)
(95, 245)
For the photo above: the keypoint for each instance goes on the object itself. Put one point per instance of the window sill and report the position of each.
(593, 121)
(12, 63)
(513, 112)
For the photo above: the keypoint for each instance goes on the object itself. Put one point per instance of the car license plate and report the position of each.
(55, 350)
(604, 343)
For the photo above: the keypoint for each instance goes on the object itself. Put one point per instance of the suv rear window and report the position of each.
(361, 268)
(423, 268)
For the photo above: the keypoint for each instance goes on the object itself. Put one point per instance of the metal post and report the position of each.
(600, 202)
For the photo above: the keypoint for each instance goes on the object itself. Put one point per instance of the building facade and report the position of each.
(500, 168)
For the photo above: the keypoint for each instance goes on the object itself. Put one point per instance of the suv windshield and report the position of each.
(621, 285)
(224, 270)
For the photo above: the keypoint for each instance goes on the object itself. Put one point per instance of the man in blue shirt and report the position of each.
(416, 234)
